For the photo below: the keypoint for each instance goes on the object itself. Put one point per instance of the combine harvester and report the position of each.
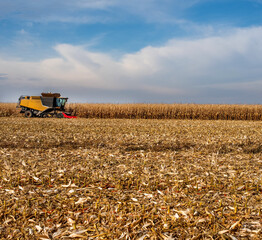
(46, 105)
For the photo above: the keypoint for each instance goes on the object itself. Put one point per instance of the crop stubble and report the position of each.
(130, 179)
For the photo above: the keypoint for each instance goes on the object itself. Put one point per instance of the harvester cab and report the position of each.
(46, 105)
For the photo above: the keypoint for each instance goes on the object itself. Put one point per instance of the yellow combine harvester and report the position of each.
(46, 105)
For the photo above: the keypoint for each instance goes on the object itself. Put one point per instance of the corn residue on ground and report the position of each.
(130, 179)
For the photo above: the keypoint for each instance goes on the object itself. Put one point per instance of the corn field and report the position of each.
(8, 109)
(130, 179)
(155, 111)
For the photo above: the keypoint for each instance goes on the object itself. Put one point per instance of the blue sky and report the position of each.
(192, 51)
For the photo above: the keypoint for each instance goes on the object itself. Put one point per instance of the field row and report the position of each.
(155, 111)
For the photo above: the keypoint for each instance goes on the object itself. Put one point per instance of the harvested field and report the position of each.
(154, 111)
(130, 179)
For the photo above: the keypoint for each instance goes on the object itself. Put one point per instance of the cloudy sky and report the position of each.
(161, 51)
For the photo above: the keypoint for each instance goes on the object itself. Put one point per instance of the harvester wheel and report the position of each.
(28, 114)
(59, 115)
(44, 115)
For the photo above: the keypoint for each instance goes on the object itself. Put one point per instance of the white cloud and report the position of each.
(183, 68)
